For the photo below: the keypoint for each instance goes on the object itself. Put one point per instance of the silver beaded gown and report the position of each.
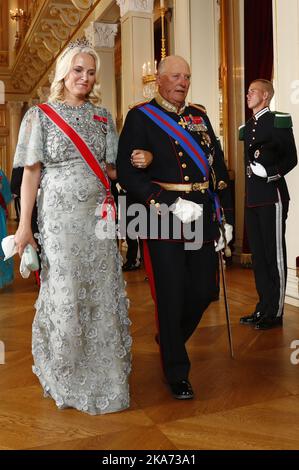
(80, 335)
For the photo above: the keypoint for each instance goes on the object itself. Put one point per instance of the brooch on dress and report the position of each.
(103, 120)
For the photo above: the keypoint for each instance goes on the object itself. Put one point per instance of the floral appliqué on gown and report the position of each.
(80, 335)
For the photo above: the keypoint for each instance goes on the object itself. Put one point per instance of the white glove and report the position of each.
(228, 231)
(258, 170)
(186, 211)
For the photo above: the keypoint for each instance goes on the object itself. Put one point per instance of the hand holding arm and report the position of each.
(141, 158)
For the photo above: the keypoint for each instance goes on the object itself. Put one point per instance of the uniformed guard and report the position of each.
(187, 171)
(270, 153)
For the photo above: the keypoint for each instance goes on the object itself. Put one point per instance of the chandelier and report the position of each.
(149, 72)
(17, 14)
(149, 80)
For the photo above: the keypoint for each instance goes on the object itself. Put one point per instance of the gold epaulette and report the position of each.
(201, 107)
(137, 105)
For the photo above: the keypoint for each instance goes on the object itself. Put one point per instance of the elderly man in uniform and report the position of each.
(187, 173)
(270, 153)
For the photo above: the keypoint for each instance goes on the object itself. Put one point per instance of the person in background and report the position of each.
(270, 153)
(6, 267)
(132, 259)
(15, 186)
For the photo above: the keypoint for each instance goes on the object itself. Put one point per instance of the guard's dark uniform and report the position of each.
(269, 141)
(183, 281)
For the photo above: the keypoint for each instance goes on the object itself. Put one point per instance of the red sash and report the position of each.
(85, 152)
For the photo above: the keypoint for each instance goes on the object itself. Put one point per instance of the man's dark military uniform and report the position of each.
(183, 281)
(269, 141)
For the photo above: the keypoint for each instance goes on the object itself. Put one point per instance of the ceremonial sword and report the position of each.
(227, 252)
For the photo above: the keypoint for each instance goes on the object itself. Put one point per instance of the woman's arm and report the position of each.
(111, 171)
(30, 184)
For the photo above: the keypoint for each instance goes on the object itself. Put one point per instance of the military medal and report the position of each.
(183, 122)
(196, 124)
(257, 154)
(206, 138)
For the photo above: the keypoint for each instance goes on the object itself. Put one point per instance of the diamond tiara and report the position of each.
(80, 42)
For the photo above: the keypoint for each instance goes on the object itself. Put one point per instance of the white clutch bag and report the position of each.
(30, 258)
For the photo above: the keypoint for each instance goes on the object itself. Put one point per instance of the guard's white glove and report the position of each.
(258, 170)
(186, 211)
(228, 230)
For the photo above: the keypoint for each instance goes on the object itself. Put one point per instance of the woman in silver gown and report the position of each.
(80, 335)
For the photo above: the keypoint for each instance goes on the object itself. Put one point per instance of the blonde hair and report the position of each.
(63, 67)
(267, 85)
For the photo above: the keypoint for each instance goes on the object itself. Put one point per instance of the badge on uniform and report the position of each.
(249, 171)
(183, 122)
(256, 154)
(206, 139)
(197, 124)
(193, 123)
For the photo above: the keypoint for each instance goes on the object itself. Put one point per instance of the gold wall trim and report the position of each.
(2, 118)
(224, 78)
(55, 23)
(3, 58)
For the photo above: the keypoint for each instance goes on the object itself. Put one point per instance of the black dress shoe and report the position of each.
(215, 297)
(251, 319)
(182, 390)
(129, 266)
(268, 322)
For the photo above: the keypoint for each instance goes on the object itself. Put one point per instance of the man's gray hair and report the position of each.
(163, 63)
(161, 66)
